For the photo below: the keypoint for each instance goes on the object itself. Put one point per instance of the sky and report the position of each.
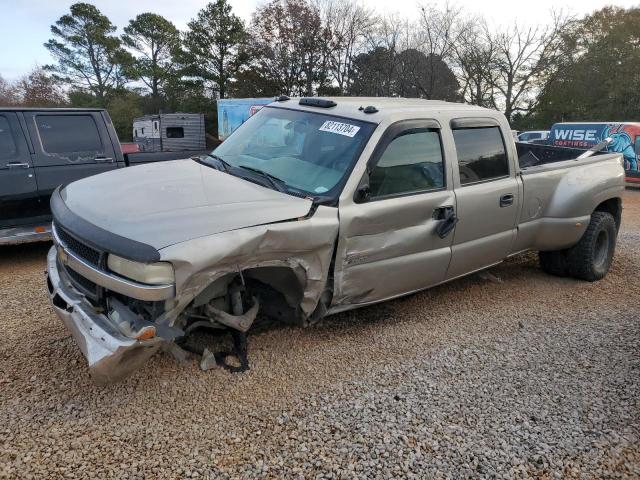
(25, 24)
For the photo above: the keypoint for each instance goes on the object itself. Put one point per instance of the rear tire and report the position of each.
(590, 259)
(554, 263)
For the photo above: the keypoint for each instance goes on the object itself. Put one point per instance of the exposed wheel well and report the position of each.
(614, 207)
(280, 290)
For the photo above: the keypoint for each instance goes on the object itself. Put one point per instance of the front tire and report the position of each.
(590, 259)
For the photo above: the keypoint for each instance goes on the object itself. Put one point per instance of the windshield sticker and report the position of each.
(321, 190)
(340, 128)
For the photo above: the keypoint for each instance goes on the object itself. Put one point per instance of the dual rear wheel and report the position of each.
(590, 259)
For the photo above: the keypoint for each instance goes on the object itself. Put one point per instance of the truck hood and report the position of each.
(161, 204)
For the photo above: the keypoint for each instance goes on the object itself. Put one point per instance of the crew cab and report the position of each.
(41, 149)
(316, 206)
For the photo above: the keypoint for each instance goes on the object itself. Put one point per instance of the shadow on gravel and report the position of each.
(27, 252)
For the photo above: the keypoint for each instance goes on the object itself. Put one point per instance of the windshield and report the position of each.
(307, 151)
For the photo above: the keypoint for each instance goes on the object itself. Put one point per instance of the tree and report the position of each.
(288, 46)
(525, 58)
(213, 46)
(598, 75)
(154, 39)
(87, 53)
(37, 89)
(8, 93)
(123, 108)
(374, 73)
(441, 30)
(425, 76)
(348, 24)
(474, 57)
(250, 83)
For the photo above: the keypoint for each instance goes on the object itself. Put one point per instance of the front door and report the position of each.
(487, 199)
(388, 243)
(18, 190)
(68, 146)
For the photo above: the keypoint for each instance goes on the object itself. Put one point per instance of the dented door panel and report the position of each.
(389, 247)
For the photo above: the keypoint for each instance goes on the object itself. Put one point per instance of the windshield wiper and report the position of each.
(277, 183)
(225, 165)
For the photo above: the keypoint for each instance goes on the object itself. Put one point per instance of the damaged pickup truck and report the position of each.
(312, 207)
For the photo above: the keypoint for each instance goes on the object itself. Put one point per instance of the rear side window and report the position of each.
(8, 147)
(411, 163)
(69, 133)
(481, 154)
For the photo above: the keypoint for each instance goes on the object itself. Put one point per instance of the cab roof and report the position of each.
(353, 107)
(50, 109)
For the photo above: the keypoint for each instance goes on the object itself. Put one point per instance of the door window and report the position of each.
(175, 132)
(411, 163)
(69, 133)
(8, 147)
(481, 154)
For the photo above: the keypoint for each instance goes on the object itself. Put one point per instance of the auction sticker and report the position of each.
(345, 129)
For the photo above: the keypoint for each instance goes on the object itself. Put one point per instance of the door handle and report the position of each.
(441, 213)
(506, 200)
(448, 220)
(17, 165)
(103, 159)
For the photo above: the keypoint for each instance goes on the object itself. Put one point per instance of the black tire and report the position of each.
(591, 257)
(554, 263)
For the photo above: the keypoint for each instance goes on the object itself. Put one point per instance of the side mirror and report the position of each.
(363, 194)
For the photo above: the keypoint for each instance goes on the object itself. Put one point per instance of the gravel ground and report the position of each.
(533, 377)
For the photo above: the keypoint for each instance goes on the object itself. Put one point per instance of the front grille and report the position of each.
(84, 284)
(82, 250)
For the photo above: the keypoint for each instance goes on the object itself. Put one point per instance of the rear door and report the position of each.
(18, 189)
(487, 197)
(388, 242)
(68, 146)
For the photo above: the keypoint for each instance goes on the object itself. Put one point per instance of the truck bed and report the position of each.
(531, 154)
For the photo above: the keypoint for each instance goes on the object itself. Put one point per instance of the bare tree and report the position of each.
(38, 89)
(348, 23)
(383, 43)
(525, 57)
(474, 57)
(437, 35)
(287, 45)
(8, 93)
(439, 31)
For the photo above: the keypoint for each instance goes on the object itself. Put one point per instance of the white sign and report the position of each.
(340, 128)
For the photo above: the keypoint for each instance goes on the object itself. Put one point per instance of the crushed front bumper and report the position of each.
(110, 354)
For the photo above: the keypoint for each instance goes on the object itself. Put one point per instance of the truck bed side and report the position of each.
(559, 197)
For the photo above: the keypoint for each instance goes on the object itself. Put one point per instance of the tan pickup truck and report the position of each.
(312, 207)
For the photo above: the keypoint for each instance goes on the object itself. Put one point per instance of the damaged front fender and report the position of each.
(305, 246)
(294, 257)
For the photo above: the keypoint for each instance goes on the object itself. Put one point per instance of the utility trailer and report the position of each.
(170, 132)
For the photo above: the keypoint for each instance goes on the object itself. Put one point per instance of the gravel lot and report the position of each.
(532, 377)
